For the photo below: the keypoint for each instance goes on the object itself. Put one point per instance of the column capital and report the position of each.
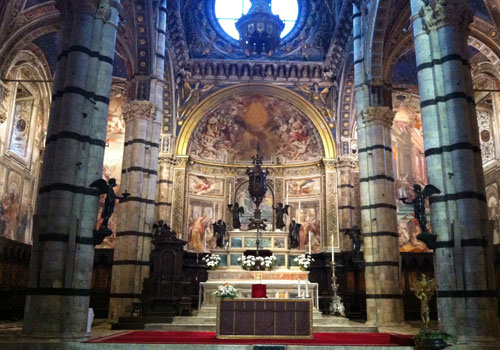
(166, 159)
(139, 110)
(439, 13)
(97, 8)
(345, 162)
(378, 115)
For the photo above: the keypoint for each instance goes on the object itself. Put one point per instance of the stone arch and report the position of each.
(294, 99)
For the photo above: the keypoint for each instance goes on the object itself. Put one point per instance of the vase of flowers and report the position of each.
(268, 262)
(247, 262)
(226, 291)
(212, 261)
(304, 261)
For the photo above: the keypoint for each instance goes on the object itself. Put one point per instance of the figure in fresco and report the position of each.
(9, 214)
(236, 210)
(293, 234)
(220, 233)
(197, 232)
(280, 212)
(419, 203)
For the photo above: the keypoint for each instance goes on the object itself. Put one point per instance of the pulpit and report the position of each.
(264, 318)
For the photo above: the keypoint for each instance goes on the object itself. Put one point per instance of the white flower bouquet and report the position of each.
(212, 261)
(226, 291)
(248, 262)
(269, 262)
(304, 261)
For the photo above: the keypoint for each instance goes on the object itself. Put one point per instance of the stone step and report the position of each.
(180, 327)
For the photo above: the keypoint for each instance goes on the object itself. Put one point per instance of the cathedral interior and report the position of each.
(347, 103)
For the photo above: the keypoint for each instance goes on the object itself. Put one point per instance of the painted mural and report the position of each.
(494, 210)
(201, 214)
(308, 214)
(112, 164)
(303, 187)
(15, 216)
(230, 132)
(21, 127)
(244, 199)
(203, 185)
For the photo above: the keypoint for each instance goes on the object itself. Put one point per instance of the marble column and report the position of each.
(135, 224)
(63, 247)
(384, 299)
(345, 188)
(378, 217)
(467, 305)
(165, 188)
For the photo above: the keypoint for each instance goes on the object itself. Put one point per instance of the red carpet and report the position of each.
(360, 339)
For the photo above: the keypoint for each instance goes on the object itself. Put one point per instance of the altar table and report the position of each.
(264, 318)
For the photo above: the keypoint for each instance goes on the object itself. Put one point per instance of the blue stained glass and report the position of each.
(229, 11)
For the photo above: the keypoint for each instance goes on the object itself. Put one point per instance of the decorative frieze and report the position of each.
(139, 110)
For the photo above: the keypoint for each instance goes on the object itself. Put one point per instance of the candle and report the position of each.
(126, 180)
(287, 185)
(229, 193)
(309, 233)
(307, 288)
(333, 254)
(298, 287)
(298, 215)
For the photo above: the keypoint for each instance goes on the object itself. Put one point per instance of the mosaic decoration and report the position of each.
(230, 132)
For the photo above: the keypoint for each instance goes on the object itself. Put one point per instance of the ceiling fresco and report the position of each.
(230, 132)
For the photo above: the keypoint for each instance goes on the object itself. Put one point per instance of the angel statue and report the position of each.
(106, 188)
(419, 203)
(280, 211)
(236, 210)
(220, 232)
(191, 95)
(357, 239)
(424, 289)
(293, 234)
(315, 94)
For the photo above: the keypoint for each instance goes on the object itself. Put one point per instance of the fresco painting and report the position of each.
(21, 127)
(201, 214)
(408, 230)
(203, 185)
(230, 132)
(303, 187)
(494, 210)
(308, 214)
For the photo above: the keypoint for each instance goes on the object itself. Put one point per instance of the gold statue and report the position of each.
(424, 289)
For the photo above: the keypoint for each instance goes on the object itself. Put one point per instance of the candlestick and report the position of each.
(309, 233)
(298, 288)
(307, 288)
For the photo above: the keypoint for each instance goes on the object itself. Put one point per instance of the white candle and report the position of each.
(229, 194)
(309, 233)
(333, 254)
(307, 288)
(298, 287)
(287, 185)
(298, 215)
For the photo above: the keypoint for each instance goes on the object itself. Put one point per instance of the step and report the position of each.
(180, 327)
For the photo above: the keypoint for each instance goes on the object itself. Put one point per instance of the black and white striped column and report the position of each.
(467, 305)
(63, 247)
(346, 205)
(384, 301)
(143, 120)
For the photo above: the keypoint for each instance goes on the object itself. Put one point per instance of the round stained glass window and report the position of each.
(228, 12)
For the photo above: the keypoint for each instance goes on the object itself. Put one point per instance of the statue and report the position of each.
(220, 232)
(293, 234)
(424, 289)
(280, 211)
(419, 203)
(162, 230)
(254, 224)
(357, 240)
(236, 210)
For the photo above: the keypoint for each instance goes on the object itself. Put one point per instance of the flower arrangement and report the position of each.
(304, 261)
(247, 262)
(226, 291)
(250, 262)
(212, 261)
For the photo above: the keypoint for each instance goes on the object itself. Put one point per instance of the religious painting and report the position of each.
(303, 187)
(494, 210)
(203, 185)
(202, 213)
(230, 132)
(112, 164)
(244, 200)
(408, 230)
(308, 214)
(15, 217)
(20, 129)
